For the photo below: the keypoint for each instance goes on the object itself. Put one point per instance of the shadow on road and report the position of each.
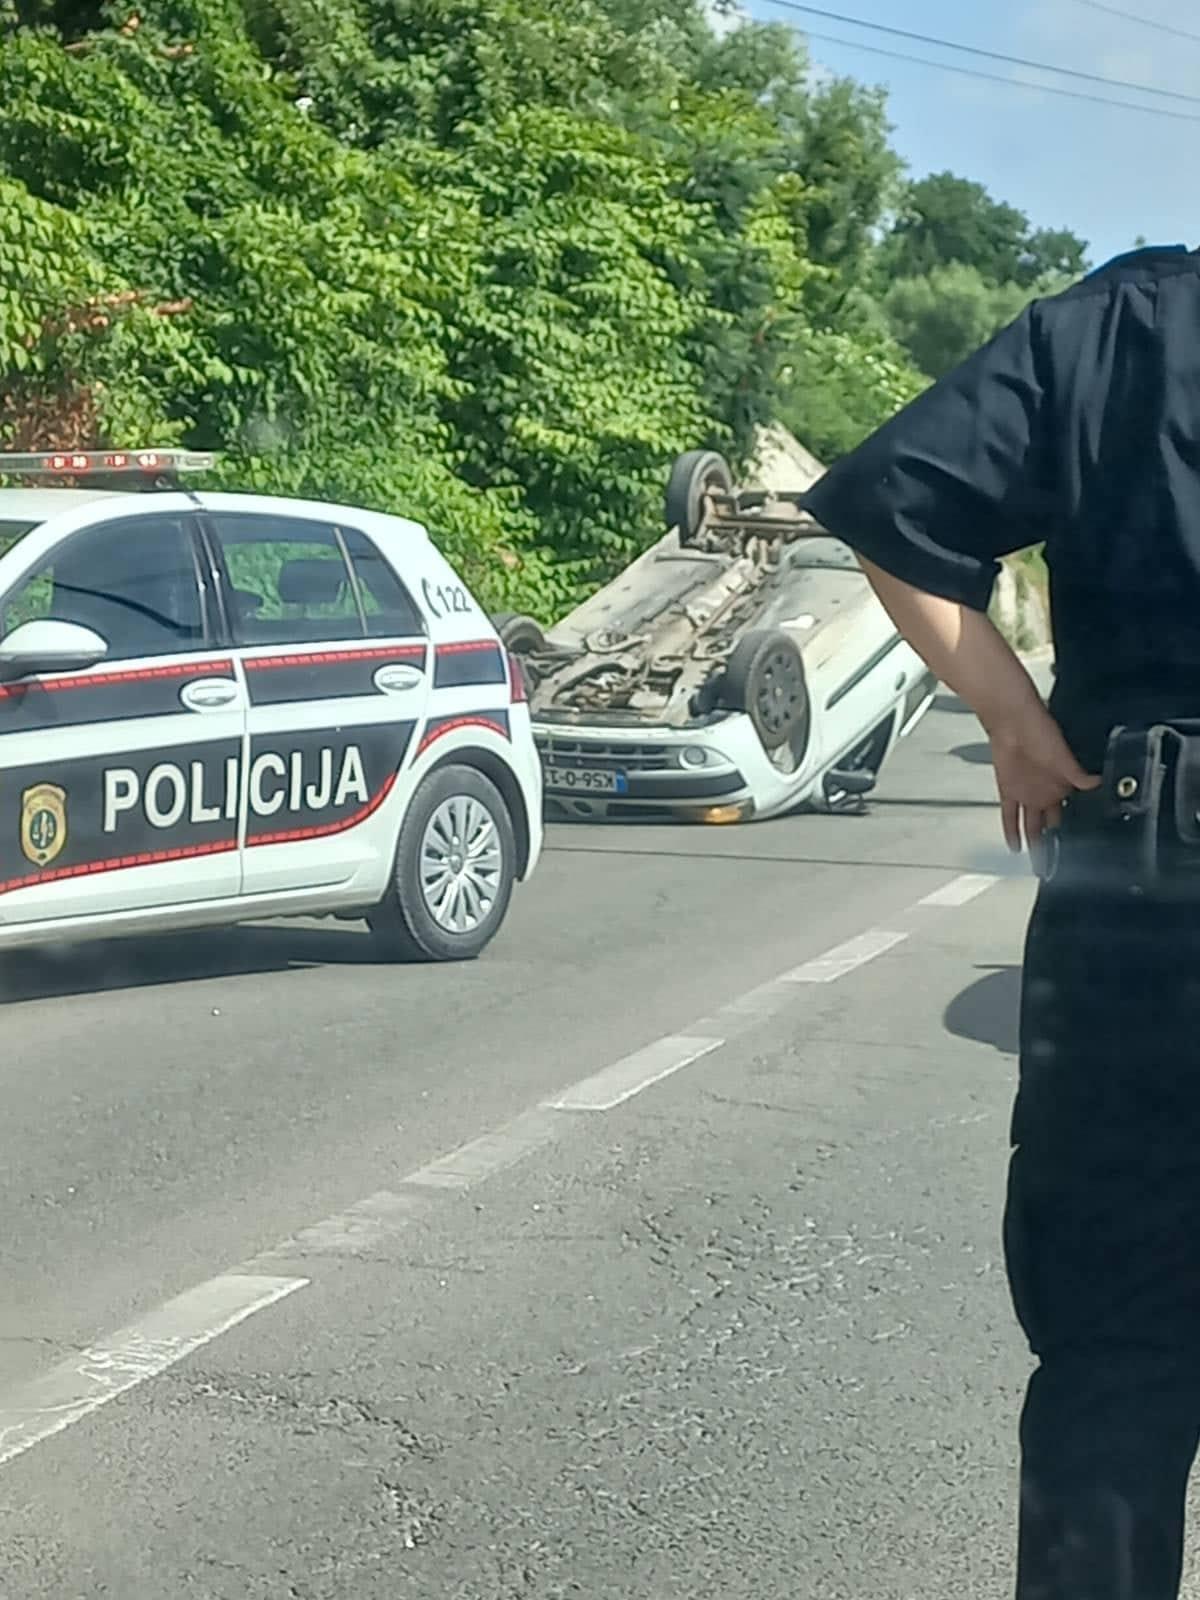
(979, 755)
(951, 703)
(59, 971)
(987, 1011)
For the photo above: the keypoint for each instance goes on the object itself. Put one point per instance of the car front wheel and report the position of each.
(455, 867)
(764, 677)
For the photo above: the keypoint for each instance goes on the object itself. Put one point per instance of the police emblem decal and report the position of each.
(43, 823)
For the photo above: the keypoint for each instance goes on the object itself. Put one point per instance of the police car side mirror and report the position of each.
(49, 646)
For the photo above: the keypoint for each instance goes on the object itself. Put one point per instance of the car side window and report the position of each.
(134, 582)
(292, 581)
(388, 608)
(288, 580)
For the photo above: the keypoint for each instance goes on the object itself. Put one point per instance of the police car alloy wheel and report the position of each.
(454, 872)
(461, 864)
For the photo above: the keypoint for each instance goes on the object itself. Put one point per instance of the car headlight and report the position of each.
(694, 755)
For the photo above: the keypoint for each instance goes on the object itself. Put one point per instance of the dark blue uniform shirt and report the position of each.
(1078, 427)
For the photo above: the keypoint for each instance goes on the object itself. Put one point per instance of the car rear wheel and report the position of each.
(694, 473)
(764, 678)
(455, 867)
(518, 633)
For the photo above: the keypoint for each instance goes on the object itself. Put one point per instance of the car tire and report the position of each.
(694, 472)
(519, 633)
(409, 924)
(764, 677)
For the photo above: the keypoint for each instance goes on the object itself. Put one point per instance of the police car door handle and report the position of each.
(210, 694)
(398, 677)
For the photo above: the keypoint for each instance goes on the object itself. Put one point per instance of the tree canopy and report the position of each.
(946, 220)
(491, 263)
(957, 265)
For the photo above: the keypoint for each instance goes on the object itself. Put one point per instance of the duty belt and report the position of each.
(1139, 832)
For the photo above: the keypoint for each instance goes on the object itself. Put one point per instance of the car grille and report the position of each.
(560, 751)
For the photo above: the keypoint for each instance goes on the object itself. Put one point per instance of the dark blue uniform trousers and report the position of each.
(1102, 1236)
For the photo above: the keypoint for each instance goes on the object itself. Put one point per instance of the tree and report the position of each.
(840, 386)
(851, 175)
(947, 219)
(571, 358)
(942, 317)
(1052, 253)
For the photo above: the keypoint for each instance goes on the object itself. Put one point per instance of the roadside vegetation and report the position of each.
(492, 263)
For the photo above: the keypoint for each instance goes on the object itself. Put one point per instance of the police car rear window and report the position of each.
(11, 532)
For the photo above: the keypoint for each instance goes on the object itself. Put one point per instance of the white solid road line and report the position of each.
(960, 890)
(620, 1082)
(82, 1384)
(85, 1382)
(844, 958)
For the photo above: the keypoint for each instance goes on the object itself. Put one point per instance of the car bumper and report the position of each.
(605, 774)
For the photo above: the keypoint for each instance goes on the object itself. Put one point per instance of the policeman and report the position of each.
(1078, 427)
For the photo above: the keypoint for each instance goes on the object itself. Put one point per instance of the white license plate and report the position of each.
(585, 780)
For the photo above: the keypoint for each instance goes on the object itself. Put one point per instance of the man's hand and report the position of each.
(1035, 773)
(1035, 770)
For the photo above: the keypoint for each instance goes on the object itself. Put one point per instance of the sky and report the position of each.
(1107, 174)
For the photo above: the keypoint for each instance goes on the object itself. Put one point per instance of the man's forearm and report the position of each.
(959, 645)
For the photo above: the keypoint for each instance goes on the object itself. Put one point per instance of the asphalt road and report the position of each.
(739, 1331)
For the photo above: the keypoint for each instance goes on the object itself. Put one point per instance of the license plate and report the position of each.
(585, 780)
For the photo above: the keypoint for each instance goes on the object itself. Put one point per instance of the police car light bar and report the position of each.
(73, 463)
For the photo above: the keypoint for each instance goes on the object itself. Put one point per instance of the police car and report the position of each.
(218, 707)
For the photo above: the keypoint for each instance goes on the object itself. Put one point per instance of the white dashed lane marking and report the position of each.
(77, 1387)
(960, 890)
(844, 958)
(490, 1153)
(44, 1406)
(620, 1082)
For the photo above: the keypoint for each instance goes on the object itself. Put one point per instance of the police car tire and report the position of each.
(402, 924)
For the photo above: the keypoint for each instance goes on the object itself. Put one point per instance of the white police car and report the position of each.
(218, 707)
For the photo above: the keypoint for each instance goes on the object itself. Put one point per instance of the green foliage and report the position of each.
(840, 386)
(44, 269)
(573, 375)
(945, 219)
(958, 265)
(1053, 253)
(941, 318)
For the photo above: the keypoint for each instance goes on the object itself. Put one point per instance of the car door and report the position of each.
(333, 653)
(119, 784)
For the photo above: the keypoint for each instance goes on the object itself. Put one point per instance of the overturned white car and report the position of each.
(742, 667)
